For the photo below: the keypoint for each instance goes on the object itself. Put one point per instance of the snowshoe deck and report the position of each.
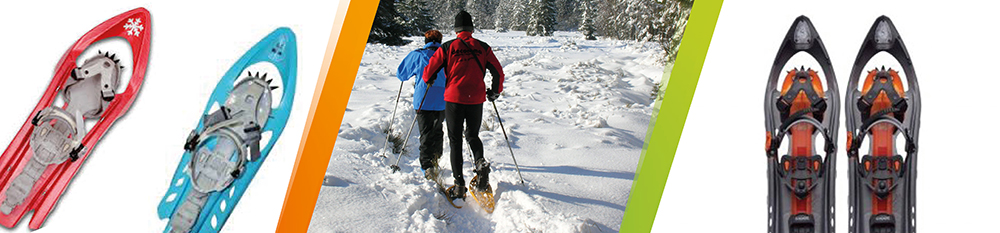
(882, 182)
(801, 182)
(205, 206)
(35, 183)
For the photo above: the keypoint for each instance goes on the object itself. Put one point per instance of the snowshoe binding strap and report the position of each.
(802, 83)
(58, 133)
(100, 73)
(882, 87)
(456, 192)
(883, 83)
(801, 101)
(798, 108)
(801, 170)
(882, 182)
(230, 139)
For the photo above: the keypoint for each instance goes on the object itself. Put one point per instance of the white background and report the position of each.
(718, 180)
(193, 44)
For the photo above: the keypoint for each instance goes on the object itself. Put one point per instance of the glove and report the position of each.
(430, 82)
(491, 95)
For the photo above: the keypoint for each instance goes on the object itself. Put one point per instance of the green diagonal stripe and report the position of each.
(668, 118)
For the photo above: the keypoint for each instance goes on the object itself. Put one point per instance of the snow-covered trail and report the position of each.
(576, 112)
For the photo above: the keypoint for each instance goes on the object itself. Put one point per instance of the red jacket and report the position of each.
(463, 74)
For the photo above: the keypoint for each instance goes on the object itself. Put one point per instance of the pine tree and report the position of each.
(415, 16)
(644, 16)
(543, 18)
(628, 19)
(568, 15)
(611, 16)
(444, 12)
(510, 15)
(482, 12)
(587, 14)
(385, 27)
(500, 17)
(671, 23)
(521, 12)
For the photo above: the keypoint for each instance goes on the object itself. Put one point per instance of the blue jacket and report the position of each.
(413, 65)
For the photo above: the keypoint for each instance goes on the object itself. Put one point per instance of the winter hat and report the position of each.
(432, 36)
(463, 22)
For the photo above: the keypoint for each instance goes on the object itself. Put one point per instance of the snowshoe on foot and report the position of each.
(456, 192)
(455, 195)
(882, 182)
(480, 183)
(801, 182)
(447, 192)
(482, 192)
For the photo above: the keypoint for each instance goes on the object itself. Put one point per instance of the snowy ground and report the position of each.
(576, 112)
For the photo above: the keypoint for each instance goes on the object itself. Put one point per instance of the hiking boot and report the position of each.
(432, 173)
(481, 182)
(457, 191)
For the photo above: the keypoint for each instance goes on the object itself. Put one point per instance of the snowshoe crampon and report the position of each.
(52, 144)
(801, 182)
(237, 131)
(882, 182)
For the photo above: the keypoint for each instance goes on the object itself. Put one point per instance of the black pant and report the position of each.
(431, 137)
(472, 116)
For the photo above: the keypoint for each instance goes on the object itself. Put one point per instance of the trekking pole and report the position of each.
(395, 166)
(392, 119)
(508, 141)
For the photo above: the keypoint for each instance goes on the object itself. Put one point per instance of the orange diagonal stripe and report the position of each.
(340, 65)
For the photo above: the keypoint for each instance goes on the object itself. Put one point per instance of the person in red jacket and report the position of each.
(465, 61)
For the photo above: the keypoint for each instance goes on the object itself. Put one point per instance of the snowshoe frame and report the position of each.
(883, 37)
(56, 171)
(818, 186)
(278, 48)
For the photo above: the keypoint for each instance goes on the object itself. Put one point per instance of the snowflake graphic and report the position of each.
(133, 27)
(278, 50)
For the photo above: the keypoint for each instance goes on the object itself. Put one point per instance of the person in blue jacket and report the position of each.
(430, 114)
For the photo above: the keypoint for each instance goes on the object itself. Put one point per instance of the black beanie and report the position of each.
(463, 22)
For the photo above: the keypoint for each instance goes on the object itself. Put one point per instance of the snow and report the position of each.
(576, 112)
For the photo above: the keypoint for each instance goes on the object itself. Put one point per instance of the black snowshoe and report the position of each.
(801, 182)
(882, 183)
